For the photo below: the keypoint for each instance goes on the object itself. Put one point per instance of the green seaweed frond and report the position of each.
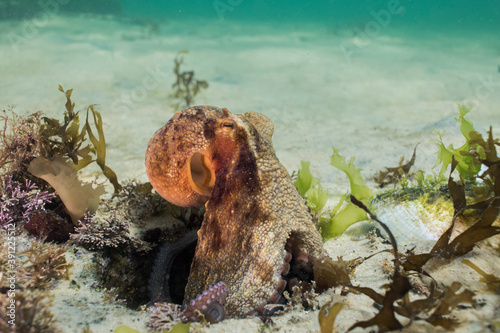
(432, 181)
(125, 329)
(358, 185)
(467, 167)
(346, 213)
(177, 328)
(99, 146)
(310, 188)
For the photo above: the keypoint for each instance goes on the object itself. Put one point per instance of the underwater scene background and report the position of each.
(372, 78)
(347, 66)
(400, 65)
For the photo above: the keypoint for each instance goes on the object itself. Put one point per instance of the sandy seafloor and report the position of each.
(376, 107)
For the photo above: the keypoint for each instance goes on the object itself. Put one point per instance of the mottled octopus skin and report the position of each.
(252, 209)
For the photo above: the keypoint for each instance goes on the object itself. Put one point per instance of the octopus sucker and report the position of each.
(210, 304)
(257, 232)
(285, 268)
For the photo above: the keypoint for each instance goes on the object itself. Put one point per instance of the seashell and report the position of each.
(419, 216)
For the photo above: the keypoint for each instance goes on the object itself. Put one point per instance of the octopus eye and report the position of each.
(201, 174)
(228, 125)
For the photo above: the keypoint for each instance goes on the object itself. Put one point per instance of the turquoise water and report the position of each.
(417, 15)
(448, 14)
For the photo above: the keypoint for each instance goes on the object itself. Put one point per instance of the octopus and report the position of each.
(257, 233)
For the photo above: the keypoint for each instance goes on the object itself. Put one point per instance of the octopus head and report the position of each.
(184, 157)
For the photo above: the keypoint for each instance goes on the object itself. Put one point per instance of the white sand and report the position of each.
(376, 107)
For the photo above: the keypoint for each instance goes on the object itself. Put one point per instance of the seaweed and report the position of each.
(186, 86)
(327, 315)
(98, 233)
(329, 273)
(300, 295)
(492, 282)
(475, 199)
(99, 147)
(344, 215)
(429, 182)
(40, 156)
(394, 175)
(32, 314)
(124, 271)
(20, 203)
(36, 151)
(385, 319)
(138, 201)
(476, 152)
(21, 141)
(483, 153)
(42, 264)
(466, 167)
(489, 207)
(164, 316)
(438, 304)
(51, 225)
(396, 300)
(39, 212)
(68, 140)
(310, 188)
(177, 328)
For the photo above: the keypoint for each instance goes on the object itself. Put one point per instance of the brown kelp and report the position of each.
(477, 202)
(186, 85)
(40, 157)
(66, 139)
(21, 141)
(42, 195)
(393, 175)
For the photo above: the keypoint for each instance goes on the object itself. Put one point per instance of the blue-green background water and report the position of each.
(423, 14)
(417, 15)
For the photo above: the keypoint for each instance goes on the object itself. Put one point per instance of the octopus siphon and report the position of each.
(257, 233)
